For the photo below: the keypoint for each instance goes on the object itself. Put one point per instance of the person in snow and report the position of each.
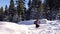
(37, 22)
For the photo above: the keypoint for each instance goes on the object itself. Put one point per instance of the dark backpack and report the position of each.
(34, 22)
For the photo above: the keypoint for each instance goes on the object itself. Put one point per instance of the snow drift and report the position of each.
(46, 27)
(30, 22)
(12, 28)
(27, 27)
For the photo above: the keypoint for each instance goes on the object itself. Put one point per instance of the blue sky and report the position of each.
(7, 2)
(4, 2)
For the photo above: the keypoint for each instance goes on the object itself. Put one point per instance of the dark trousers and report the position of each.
(37, 25)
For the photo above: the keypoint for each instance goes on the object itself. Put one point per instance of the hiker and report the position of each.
(37, 22)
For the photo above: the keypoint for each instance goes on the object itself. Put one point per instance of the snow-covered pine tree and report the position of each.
(11, 10)
(20, 9)
(34, 9)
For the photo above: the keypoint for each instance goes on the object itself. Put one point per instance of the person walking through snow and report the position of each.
(37, 22)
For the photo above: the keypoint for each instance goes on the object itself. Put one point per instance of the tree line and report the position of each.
(13, 13)
(36, 9)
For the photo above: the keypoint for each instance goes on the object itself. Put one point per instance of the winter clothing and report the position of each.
(37, 23)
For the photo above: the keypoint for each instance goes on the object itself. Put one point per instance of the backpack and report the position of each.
(34, 22)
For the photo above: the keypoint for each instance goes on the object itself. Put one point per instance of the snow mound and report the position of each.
(12, 28)
(30, 22)
(55, 22)
(44, 29)
(27, 27)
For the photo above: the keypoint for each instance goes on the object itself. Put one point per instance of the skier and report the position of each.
(37, 22)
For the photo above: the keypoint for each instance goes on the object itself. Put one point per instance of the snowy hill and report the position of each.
(27, 27)
(46, 26)
(30, 22)
(12, 28)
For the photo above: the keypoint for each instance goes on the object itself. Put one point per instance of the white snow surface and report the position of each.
(12, 28)
(27, 27)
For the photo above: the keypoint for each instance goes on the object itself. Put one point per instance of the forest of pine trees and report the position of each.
(52, 9)
(36, 9)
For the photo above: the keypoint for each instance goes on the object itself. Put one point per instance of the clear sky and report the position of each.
(4, 2)
(7, 2)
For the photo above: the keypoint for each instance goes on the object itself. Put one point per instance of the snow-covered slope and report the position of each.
(46, 27)
(27, 27)
(30, 22)
(12, 28)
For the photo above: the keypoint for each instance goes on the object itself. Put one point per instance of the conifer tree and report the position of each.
(6, 10)
(1, 14)
(20, 9)
(29, 3)
(34, 9)
(11, 8)
(29, 9)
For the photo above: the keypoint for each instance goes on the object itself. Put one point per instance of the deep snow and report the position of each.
(27, 27)
(12, 28)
